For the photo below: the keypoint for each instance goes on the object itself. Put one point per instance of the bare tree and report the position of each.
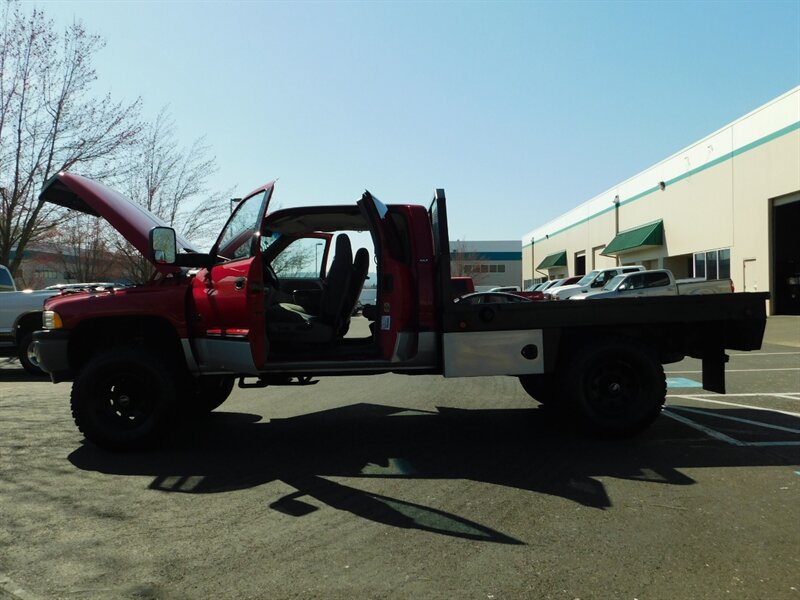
(467, 264)
(49, 121)
(85, 249)
(172, 183)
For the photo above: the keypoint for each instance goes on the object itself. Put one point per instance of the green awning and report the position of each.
(644, 236)
(552, 261)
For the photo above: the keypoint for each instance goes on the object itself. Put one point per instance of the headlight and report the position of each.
(51, 320)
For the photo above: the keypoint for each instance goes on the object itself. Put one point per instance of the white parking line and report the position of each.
(705, 398)
(670, 412)
(709, 432)
(737, 419)
(764, 354)
(737, 370)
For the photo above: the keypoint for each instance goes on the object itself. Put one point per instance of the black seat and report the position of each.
(360, 270)
(357, 279)
(289, 323)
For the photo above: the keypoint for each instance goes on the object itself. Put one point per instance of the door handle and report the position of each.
(239, 283)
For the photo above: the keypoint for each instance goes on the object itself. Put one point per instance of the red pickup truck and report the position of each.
(142, 357)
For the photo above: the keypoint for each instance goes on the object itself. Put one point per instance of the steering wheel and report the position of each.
(270, 277)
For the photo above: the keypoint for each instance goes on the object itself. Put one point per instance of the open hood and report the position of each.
(132, 221)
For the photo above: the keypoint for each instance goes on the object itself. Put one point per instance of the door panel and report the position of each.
(230, 325)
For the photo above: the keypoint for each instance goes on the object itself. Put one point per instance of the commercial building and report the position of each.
(725, 206)
(489, 263)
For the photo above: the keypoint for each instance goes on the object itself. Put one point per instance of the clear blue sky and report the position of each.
(520, 110)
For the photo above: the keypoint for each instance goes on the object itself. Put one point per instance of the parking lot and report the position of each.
(413, 487)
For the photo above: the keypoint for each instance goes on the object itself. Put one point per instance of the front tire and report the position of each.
(614, 388)
(123, 399)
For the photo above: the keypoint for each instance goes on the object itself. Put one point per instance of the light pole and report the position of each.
(533, 261)
(616, 224)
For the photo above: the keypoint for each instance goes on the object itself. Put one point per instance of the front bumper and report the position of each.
(50, 346)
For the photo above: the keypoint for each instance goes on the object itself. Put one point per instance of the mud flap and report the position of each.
(714, 360)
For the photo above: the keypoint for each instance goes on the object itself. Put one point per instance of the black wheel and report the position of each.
(542, 388)
(26, 356)
(123, 399)
(614, 388)
(201, 395)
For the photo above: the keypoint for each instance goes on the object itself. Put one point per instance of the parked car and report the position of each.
(490, 298)
(658, 282)
(505, 288)
(20, 316)
(461, 286)
(83, 287)
(561, 283)
(595, 279)
(537, 291)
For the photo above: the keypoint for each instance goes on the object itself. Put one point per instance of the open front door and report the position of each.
(229, 328)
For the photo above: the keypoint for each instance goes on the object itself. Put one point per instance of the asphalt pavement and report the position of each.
(393, 486)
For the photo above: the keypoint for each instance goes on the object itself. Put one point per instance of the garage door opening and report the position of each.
(786, 255)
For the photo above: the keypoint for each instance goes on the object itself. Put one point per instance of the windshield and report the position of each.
(237, 237)
(615, 281)
(552, 283)
(588, 278)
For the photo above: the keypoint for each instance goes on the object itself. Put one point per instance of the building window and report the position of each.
(492, 268)
(713, 264)
(700, 265)
(501, 268)
(725, 263)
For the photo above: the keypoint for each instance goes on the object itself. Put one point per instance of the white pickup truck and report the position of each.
(658, 282)
(593, 280)
(20, 316)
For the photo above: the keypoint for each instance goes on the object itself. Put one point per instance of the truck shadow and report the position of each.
(12, 371)
(519, 448)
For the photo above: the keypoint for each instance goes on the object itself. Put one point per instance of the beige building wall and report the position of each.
(716, 194)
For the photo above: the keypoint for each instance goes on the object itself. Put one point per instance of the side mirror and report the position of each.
(163, 250)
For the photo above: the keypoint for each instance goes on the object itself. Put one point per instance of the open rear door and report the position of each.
(441, 250)
(396, 297)
(478, 339)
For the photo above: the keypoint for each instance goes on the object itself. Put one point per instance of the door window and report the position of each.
(236, 239)
(302, 259)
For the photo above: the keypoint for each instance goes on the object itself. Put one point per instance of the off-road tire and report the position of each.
(123, 399)
(614, 388)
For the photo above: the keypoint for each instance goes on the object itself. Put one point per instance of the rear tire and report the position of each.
(614, 388)
(123, 399)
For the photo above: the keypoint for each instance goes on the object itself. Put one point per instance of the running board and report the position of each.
(263, 382)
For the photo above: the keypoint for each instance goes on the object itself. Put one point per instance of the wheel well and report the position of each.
(653, 338)
(155, 334)
(29, 322)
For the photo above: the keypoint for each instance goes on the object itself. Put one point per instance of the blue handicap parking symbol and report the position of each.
(682, 382)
